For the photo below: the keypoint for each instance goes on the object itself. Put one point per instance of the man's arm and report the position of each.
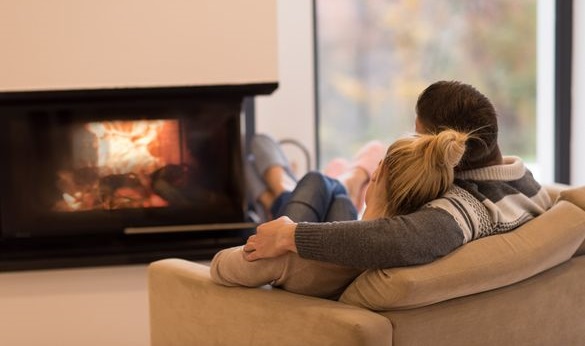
(272, 239)
(416, 238)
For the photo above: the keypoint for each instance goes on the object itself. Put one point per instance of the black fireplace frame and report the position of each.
(198, 243)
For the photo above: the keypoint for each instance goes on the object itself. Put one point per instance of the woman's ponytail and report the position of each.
(451, 145)
(421, 168)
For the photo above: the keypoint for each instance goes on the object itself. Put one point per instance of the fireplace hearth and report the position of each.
(102, 177)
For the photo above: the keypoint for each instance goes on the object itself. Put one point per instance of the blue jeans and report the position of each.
(316, 198)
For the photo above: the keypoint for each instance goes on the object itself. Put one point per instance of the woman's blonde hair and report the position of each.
(419, 169)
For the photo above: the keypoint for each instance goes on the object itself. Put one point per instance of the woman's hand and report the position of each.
(272, 239)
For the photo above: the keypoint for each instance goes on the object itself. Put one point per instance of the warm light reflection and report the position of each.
(72, 202)
(123, 146)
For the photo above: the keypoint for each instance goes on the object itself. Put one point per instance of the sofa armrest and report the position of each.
(187, 308)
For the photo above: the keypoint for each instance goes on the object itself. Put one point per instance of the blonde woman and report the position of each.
(416, 170)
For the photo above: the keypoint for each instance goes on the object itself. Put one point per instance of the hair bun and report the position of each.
(451, 145)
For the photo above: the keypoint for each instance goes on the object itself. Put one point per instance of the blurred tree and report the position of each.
(376, 56)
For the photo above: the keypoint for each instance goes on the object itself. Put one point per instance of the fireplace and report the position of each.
(121, 176)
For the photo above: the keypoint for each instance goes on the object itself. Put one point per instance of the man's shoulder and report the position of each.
(486, 207)
(469, 212)
(457, 194)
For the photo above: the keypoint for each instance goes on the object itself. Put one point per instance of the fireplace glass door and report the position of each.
(102, 167)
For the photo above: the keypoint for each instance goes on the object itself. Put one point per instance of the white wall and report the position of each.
(578, 120)
(81, 44)
(290, 112)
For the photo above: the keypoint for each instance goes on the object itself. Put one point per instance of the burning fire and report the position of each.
(123, 146)
(128, 154)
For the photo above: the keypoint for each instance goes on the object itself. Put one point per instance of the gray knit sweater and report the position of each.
(482, 202)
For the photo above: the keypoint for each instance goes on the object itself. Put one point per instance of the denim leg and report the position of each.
(341, 209)
(277, 207)
(312, 199)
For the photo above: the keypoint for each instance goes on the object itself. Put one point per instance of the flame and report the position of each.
(123, 146)
(73, 202)
(122, 156)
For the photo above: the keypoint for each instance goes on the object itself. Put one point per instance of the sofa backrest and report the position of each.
(484, 264)
(574, 195)
(577, 197)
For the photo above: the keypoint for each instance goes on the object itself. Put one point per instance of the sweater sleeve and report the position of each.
(416, 238)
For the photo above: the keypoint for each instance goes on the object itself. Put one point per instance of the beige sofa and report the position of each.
(526, 287)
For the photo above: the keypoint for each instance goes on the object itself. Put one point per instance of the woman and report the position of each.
(416, 170)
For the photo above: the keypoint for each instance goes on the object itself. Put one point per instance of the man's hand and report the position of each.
(272, 239)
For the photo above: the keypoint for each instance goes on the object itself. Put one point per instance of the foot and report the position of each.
(267, 153)
(336, 167)
(358, 176)
(355, 181)
(368, 157)
(272, 164)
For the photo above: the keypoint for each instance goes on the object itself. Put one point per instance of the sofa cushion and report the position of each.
(574, 195)
(478, 266)
(577, 197)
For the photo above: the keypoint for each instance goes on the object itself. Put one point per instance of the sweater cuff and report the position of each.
(308, 242)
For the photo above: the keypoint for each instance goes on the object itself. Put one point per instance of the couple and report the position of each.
(432, 192)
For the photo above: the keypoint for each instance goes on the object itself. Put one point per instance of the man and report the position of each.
(492, 194)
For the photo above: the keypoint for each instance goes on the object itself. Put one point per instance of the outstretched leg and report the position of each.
(312, 199)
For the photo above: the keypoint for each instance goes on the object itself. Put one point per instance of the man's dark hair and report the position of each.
(459, 106)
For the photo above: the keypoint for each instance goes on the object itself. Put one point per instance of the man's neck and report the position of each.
(497, 159)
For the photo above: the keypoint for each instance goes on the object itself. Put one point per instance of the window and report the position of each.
(374, 57)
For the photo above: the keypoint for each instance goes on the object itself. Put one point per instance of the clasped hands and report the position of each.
(272, 239)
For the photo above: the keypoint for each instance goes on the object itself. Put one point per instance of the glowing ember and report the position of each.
(72, 202)
(123, 146)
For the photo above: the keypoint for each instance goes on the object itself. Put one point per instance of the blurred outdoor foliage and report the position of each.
(376, 56)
